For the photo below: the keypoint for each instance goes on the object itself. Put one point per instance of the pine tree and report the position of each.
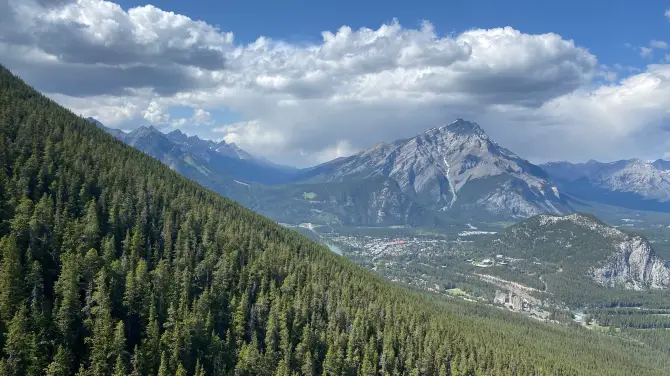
(3, 368)
(180, 370)
(151, 344)
(91, 229)
(118, 349)
(119, 367)
(102, 339)
(60, 366)
(240, 319)
(332, 364)
(68, 304)
(137, 363)
(163, 368)
(19, 345)
(10, 277)
(369, 366)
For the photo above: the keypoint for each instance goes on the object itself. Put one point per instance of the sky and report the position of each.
(303, 82)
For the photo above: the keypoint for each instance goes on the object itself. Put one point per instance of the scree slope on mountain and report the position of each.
(111, 263)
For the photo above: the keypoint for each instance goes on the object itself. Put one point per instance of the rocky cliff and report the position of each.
(634, 266)
(579, 246)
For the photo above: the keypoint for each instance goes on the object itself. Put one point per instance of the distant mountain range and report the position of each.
(214, 164)
(442, 176)
(632, 184)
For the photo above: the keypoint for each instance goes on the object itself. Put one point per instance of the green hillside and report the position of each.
(556, 254)
(112, 264)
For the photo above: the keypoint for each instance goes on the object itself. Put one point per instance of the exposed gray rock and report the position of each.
(632, 183)
(583, 247)
(634, 266)
(204, 147)
(440, 167)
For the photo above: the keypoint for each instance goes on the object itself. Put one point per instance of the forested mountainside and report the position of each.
(580, 261)
(112, 264)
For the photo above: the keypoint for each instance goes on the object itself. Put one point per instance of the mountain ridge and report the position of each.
(433, 167)
(582, 244)
(206, 158)
(455, 169)
(631, 183)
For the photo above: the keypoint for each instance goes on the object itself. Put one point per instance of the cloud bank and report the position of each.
(539, 95)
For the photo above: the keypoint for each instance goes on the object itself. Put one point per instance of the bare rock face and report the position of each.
(634, 266)
(456, 166)
(632, 183)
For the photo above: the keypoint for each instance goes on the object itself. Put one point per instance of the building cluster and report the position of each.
(488, 262)
(375, 247)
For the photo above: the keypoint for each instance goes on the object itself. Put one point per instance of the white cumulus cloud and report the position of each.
(306, 103)
(646, 51)
(659, 44)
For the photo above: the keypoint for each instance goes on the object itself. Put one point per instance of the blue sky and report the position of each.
(602, 26)
(302, 82)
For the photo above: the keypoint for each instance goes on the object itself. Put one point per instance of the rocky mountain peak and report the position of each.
(146, 131)
(95, 121)
(435, 166)
(633, 183)
(639, 162)
(177, 135)
(464, 127)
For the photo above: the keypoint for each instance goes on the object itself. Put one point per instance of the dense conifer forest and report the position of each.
(112, 264)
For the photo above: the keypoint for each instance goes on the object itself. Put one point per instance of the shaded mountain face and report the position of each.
(117, 133)
(372, 202)
(633, 183)
(581, 246)
(456, 168)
